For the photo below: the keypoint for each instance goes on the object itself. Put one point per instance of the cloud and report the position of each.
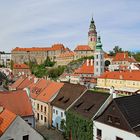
(42, 23)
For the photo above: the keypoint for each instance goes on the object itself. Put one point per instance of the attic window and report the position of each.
(61, 98)
(78, 105)
(117, 121)
(109, 118)
(66, 100)
(88, 109)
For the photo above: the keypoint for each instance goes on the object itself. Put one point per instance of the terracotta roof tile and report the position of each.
(6, 118)
(123, 57)
(49, 91)
(38, 87)
(53, 48)
(20, 66)
(85, 69)
(82, 48)
(133, 75)
(17, 102)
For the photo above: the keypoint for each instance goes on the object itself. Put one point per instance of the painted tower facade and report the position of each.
(92, 35)
(98, 58)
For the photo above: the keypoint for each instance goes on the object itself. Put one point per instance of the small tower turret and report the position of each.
(92, 35)
(98, 58)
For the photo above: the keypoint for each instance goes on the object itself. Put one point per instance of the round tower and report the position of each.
(92, 35)
(98, 58)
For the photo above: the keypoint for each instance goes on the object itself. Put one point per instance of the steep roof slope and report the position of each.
(67, 95)
(6, 119)
(90, 102)
(17, 102)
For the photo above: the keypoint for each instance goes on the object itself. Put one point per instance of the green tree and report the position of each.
(115, 50)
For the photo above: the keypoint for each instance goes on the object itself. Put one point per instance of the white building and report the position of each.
(65, 98)
(120, 120)
(14, 127)
(5, 59)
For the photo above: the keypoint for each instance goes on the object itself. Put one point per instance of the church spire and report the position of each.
(92, 35)
(99, 44)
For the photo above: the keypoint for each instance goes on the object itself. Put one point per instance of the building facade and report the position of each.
(98, 59)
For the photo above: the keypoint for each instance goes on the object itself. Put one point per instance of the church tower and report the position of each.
(98, 58)
(92, 35)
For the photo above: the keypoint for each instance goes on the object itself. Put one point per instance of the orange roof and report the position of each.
(82, 48)
(84, 69)
(53, 48)
(133, 75)
(18, 82)
(26, 82)
(21, 66)
(67, 54)
(58, 47)
(37, 88)
(31, 49)
(16, 101)
(49, 91)
(6, 119)
(123, 57)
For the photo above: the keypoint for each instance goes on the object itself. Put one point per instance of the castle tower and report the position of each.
(98, 58)
(92, 35)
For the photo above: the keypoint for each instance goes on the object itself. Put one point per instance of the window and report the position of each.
(37, 116)
(26, 137)
(41, 107)
(118, 138)
(41, 117)
(99, 134)
(97, 56)
(56, 112)
(109, 118)
(38, 106)
(117, 121)
(45, 119)
(53, 110)
(45, 109)
(97, 63)
(61, 114)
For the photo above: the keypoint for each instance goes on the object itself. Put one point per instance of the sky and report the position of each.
(41, 23)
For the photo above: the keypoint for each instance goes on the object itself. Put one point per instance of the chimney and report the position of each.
(1, 109)
(35, 80)
(112, 91)
(87, 62)
(91, 62)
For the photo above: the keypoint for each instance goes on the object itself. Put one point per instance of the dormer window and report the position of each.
(109, 118)
(117, 121)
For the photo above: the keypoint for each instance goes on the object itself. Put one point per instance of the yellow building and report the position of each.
(120, 79)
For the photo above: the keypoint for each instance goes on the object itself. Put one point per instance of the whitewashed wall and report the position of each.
(110, 133)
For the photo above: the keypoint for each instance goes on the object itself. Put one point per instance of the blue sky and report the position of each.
(33, 23)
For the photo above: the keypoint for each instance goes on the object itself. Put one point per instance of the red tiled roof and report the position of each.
(67, 54)
(54, 47)
(49, 91)
(58, 47)
(21, 66)
(6, 119)
(84, 69)
(82, 48)
(38, 87)
(26, 82)
(18, 82)
(31, 49)
(123, 57)
(133, 75)
(16, 101)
